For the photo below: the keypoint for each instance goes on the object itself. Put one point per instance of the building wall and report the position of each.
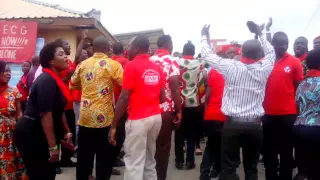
(68, 35)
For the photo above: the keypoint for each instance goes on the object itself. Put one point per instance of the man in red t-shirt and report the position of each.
(142, 92)
(280, 109)
(213, 123)
(300, 48)
(118, 51)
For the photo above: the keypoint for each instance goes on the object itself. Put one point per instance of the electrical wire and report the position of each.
(313, 14)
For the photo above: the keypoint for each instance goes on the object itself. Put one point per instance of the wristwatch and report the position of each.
(53, 148)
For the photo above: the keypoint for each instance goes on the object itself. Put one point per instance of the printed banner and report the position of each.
(18, 41)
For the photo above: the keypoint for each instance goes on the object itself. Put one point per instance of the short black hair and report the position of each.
(47, 54)
(3, 65)
(189, 49)
(60, 41)
(304, 38)
(142, 43)
(279, 34)
(28, 62)
(313, 59)
(164, 41)
(118, 48)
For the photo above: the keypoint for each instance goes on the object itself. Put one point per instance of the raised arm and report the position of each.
(269, 54)
(210, 58)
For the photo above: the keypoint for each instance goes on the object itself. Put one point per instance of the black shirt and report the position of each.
(45, 97)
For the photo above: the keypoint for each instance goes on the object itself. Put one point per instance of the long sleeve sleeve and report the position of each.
(213, 60)
(269, 53)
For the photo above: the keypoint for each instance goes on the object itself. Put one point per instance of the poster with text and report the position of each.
(17, 41)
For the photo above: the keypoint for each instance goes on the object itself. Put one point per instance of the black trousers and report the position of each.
(278, 139)
(120, 135)
(65, 153)
(212, 154)
(236, 135)
(308, 143)
(23, 106)
(189, 130)
(164, 145)
(94, 141)
(33, 148)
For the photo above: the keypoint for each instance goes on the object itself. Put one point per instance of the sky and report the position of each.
(183, 19)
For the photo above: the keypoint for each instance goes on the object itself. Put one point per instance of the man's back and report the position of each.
(96, 77)
(144, 79)
(169, 67)
(190, 76)
(245, 80)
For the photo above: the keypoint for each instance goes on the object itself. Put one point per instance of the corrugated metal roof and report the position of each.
(14, 9)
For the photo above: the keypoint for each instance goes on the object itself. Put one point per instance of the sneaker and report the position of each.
(118, 163)
(300, 176)
(214, 174)
(179, 166)
(190, 165)
(115, 172)
(58, 170)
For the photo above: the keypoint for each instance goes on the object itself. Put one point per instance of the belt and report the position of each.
(244, 119)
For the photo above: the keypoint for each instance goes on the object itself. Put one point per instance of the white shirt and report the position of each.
(38, 72)
(244, 83)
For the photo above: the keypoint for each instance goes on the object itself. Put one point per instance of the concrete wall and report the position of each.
(69, 35)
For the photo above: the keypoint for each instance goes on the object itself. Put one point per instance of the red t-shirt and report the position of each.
(280, 89)
(144, 79)
(216, 84)
(23, 90)
(117, 89)
(64, 74)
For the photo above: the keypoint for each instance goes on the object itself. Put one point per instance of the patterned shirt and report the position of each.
(308, 99)
(245, 82)
(191, 81)
(170, 68)
(96, 77)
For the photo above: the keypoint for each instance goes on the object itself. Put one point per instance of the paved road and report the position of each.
(173, 174)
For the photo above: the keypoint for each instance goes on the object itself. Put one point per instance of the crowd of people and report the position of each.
(255, 97)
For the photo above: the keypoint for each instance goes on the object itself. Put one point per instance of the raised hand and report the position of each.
(254, 28)
(269, 24)
(205, 30)
(85, 34)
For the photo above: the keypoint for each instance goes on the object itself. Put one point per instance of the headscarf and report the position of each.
(62, 86)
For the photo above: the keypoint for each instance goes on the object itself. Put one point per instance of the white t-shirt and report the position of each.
(38, 72)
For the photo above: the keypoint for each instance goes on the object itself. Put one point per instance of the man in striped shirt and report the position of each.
(244, 91)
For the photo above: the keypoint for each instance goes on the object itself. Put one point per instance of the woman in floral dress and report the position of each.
(11, 165)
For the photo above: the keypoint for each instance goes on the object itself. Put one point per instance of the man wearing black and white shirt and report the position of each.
(244, 92)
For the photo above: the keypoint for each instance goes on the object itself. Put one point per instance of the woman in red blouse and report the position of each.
(22, 84)
(12, 166)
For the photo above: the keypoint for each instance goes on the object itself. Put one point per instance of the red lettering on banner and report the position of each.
(18, 40)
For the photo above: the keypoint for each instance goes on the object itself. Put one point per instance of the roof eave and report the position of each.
(104, 31)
